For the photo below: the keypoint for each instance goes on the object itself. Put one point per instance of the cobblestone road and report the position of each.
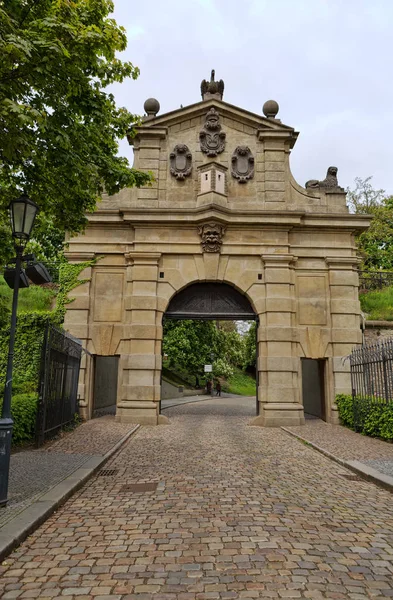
(239, 512)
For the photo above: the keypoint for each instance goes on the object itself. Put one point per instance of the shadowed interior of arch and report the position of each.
(210, 301)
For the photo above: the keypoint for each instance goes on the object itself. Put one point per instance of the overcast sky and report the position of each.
(328, 63)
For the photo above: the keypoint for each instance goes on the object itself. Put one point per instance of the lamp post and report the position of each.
(23, 212)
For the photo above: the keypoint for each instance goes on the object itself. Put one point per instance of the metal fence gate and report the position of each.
(58, 388)
(371, 378)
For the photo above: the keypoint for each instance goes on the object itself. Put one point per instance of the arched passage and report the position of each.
(212, 301)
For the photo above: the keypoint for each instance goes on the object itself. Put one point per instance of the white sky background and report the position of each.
(328, 63)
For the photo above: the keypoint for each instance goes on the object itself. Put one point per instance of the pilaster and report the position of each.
(278, 391)
(141, 364)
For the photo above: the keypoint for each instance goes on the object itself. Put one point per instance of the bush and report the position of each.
(374, 417)
(345, 410)
(24, 413)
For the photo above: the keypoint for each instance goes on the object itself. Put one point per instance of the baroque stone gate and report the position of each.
(224, 208)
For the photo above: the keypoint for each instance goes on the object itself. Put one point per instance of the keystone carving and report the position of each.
(242, 164)
(330, 182)
(180, 162)
(211, 138)
(211, 236)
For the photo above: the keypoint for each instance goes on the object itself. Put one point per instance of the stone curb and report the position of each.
(380, 479)
(182, 403)
(15, 531)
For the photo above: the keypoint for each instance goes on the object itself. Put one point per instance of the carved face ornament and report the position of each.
(211, 236)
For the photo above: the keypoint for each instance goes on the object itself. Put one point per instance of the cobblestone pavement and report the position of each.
(33, 472)
(347, 444)
(239, 512)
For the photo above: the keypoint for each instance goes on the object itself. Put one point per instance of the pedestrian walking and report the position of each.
(218, 388)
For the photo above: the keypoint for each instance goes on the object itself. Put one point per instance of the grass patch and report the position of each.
(33, 298)
(240, 383)
(378, 304)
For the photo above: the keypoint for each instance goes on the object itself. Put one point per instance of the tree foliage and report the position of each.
(376, 244)
(250, 348)
(193, 344)
(59, 129)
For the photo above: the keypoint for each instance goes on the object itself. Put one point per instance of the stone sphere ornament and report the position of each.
(270, 109)
(151, 106)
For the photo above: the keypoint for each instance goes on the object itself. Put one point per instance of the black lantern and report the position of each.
(23, 212)
(10, 276)
(38, 273)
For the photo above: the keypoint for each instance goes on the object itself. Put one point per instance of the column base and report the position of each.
(274, 414)
(142, 413)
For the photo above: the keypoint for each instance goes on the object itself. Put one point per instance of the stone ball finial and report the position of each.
(151, 106)
(270, 109)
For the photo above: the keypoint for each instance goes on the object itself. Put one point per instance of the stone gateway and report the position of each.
(223, 210)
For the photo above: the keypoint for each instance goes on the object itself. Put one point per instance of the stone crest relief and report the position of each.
(211, 138)
(242, 167)
(180, 162)
(211, 234)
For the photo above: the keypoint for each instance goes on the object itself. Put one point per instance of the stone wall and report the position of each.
(376, 331)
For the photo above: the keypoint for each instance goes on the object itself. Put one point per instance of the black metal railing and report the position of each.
(371, 378)
(58, 388)
(374, 280)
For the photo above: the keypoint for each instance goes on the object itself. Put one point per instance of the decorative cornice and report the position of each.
(341, 262)
(142, 258)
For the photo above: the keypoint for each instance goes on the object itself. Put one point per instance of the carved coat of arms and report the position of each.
(211, 236)
(211, 138)
(180, 162)
(242, 164)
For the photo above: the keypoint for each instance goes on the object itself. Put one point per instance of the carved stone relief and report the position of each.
(242, 164)
(211, 234)
(211, 138)
(180, 162)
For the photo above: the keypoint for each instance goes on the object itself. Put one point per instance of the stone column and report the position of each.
(278, 391)
(141, 364)
(346, 323)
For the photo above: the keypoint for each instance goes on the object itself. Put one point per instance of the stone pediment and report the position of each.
(159, 123)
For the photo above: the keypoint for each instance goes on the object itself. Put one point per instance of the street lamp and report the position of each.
(23, 212)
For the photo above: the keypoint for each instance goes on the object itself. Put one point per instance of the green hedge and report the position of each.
(24, 413)
(373, 417)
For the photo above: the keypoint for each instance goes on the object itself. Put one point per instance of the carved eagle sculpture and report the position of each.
(330, 181)
(212, 86)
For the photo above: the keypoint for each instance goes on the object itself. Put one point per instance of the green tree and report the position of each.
(250, 350)
(364, 198)
(190, 344)
(59, 128)
(375, 245)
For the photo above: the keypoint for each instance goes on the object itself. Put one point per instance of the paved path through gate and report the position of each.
(238, 512)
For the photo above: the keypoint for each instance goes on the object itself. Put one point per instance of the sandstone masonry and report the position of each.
(288, 249)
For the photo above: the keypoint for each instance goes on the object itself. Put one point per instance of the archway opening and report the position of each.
(209, 347)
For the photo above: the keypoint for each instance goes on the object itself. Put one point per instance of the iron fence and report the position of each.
(58, 388)
(371, 378)
(369, 280)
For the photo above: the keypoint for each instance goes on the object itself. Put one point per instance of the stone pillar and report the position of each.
(278, 391)
(141, 365)
(346, 323)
